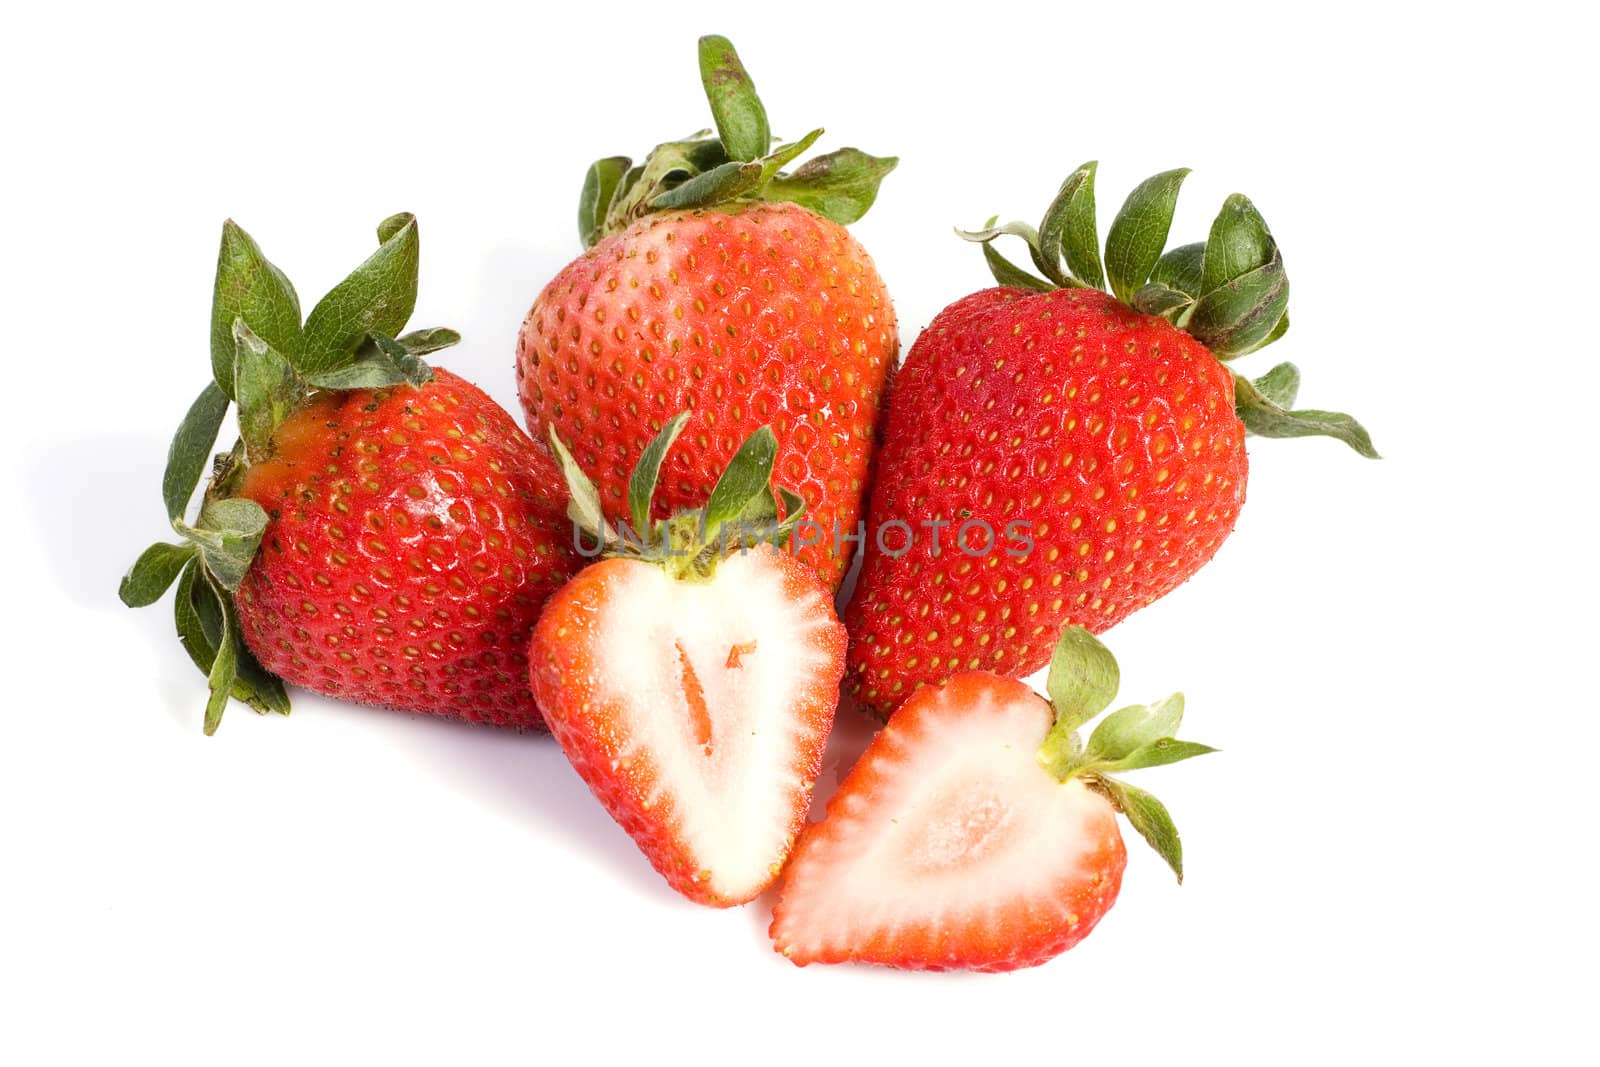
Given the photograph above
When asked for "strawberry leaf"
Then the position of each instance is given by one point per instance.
(600, 186)
(380, 362)
(642, 483)
(1182, 269)
(1083, 678)
(1266, 419)
(431, 339)
(1281, 384)
(1150, 817)
(1154, 298)
(267, 389)
(1069, 229)
(1129, 729)
(191, 449)
(1139, 232)
(228, 534)
(153, 573)
(1157, 753)
(583, 501)
(249, 287)
(840, 186)
(720, 184)
(225, 666)
(377, 296)
(1241, 314)
(740, 117)
(786, 154)
(1239, 243)
(744, 491)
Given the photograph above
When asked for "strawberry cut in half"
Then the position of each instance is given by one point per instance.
(691, 677)
(978, 831)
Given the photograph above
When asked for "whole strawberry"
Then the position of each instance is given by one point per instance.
(1057, 455)
(381, 532)
(714, 282)
(978, 831)
(691, 676)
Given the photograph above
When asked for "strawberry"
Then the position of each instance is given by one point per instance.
(978, 831)
(1055, 454)
(713, 282)
(382, 531)
(693, 688)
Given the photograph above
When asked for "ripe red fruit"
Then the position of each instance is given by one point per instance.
(976, 832)
(1064, 458)
(694, 691)
(381, 532)
(716, 284)
(414, 535)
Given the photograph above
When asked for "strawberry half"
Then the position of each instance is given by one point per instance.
(978, 831)
(692, 677)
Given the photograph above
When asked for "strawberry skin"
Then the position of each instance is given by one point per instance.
(749, 314)
(1111, 435)
(949, 846)
(696, 711)
(413, 535)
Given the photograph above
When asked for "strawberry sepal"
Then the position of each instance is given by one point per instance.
(1082, 682)
(1230, 292)
(735, 163)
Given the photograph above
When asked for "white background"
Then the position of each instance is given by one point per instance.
(1390, 859)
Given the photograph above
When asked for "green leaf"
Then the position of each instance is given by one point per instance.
(1150, 817)
(1139, 232)
(198, 613)
(1128, 729)
(432, 339)
(716, 186)
(794, 509)
(249, 287)
(394, 224)
(1182, 268)
(1280, 385)
(377, 296)
(583, 504)
(225, 667)
(1266, 419)
(381, 362)
(1157, 753)
(191, 448)
(1239, 243)
(1277, 333)
(840, 186)
(153, 573)
(228, 534)
(1083, 677)
(1156, 299)
(267, 388)
(1238, 316)
(786, 154)
(600, 185)
(642, 484)
(1069, 227)
(746, 481)
(741, 120)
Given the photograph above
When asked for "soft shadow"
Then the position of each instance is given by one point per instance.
(521, 772)
(90, 498)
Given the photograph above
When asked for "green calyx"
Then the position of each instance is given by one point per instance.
(268, 363)
(1230, 292)
(741, 512)
(738, 162)
(1082, 682)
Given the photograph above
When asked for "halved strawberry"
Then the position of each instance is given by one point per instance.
(977, 831)
(693, 686)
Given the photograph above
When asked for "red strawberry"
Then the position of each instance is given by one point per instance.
(693, 690)
(408, 531)
(977, 831)
(715, 283)
(1055, 456)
